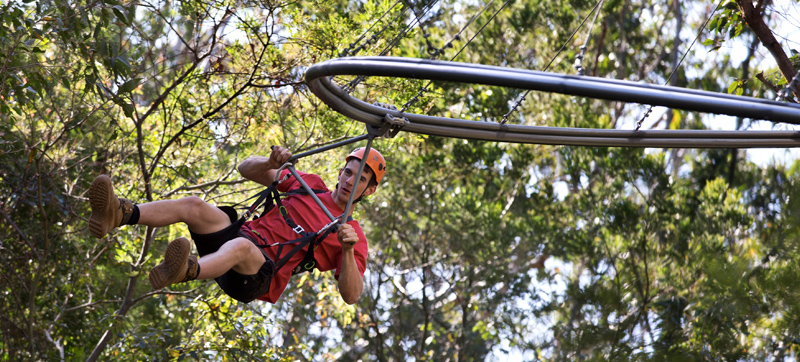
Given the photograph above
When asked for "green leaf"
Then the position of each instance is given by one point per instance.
(736, 30)
(124, 61)
(121, 64)
(722, 23)
(734, 87)
(713, 23)
(119, 12)
(130, 85)
(128, 109)
(102, 90)
(97, 29)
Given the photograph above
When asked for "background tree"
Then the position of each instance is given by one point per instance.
(478, 250)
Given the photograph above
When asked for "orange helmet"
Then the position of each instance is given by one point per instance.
(375, 162)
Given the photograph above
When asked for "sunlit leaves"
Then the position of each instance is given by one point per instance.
(477, 249)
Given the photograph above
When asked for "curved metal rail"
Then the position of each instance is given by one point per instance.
(318, 78)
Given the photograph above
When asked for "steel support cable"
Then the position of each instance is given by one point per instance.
(582, 53)
(347, 50)
(408, 27)
(396, 40)
(461, 31)
(481, 28)
(553, 59)
(449, 44)
(675, 68)
(418, 20)
(318, 77)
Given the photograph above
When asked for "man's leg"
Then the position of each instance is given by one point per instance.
(110, 211)
(177, 266)
(200, 216)
(239, 254)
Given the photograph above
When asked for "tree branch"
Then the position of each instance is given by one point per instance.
(127, 302)
(205, 116)
(754, 20)
(766, 82)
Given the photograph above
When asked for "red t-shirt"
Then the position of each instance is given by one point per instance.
(306, 213)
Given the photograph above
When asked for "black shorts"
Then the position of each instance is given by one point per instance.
(244, 288)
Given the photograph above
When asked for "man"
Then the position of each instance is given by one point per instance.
(235, 252)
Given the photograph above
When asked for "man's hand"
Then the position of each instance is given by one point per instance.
(262, 169)
(347, 237)
(350, 282)
(278, 157)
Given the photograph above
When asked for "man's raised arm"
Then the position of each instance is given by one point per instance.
(262, 169)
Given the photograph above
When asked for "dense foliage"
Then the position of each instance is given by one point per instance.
(478, 251)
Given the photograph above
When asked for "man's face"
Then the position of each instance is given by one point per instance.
(347, 178)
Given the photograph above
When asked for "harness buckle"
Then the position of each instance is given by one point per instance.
(332, 223)
(299, 229)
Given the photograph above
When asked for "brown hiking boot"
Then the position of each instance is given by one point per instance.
(178, 266)
(108, 210)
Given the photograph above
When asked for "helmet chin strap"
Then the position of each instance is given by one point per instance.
(361, 166)
(358, 199)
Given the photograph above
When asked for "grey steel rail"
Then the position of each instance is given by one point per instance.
(318, 78)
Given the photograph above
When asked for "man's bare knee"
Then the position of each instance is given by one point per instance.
(194, 206)
(249, 256)
(202, 217)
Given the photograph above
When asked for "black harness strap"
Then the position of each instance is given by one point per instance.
(310, 240)
(272, 198)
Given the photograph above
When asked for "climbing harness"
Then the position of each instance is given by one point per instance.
(318, 78)
(270, 198)
(305, 239)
